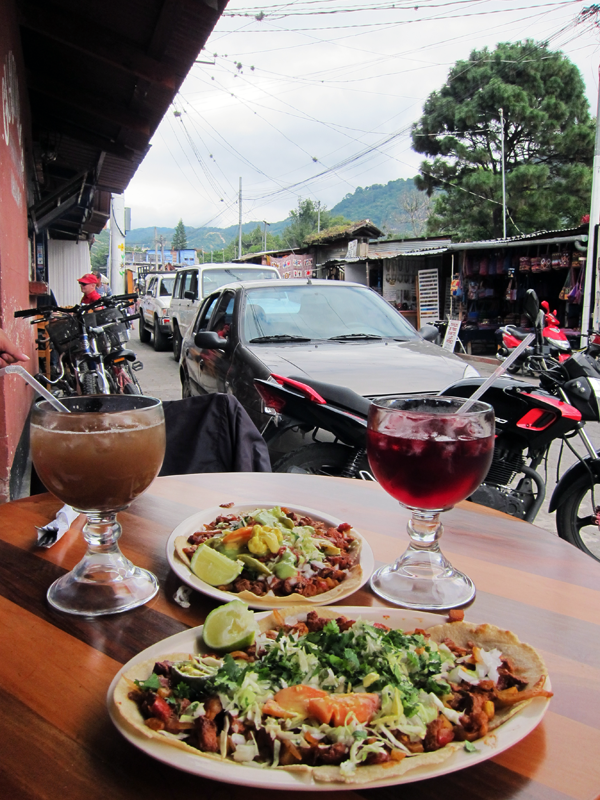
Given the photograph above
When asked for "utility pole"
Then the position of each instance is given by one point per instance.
(503, 177)
(591, 248)
(162, 251)
(117, 243)
(318, 216)
(240, 232)
(155, 249)
(265, 223)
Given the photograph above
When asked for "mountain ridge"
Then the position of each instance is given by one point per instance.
(381, 203)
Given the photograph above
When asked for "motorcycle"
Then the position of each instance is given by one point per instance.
(85, 347)
(551, 345)
(529, 418)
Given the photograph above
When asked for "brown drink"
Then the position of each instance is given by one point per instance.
(98, 461)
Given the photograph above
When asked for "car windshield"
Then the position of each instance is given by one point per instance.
(313, 311)
(213, 279)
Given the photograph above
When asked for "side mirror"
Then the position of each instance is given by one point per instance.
(531, 305)
(190, 295)
(210, 340)
(430, 333)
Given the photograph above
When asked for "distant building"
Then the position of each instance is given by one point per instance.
(179, 258)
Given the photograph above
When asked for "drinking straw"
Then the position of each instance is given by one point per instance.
(498, 372)
(19, 370)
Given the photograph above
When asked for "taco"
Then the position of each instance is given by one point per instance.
(283, 558)
(346, 700)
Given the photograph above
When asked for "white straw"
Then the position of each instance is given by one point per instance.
(498, 372)
(19, 370)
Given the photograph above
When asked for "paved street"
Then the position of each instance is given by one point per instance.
(160, 378)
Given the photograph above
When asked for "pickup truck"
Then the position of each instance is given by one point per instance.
(154, 309)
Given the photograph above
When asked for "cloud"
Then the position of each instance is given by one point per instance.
(325, 92)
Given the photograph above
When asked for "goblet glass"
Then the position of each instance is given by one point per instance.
(429, 456)
(98, 458)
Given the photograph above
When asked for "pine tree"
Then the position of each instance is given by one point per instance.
(548, 141)
(179, 240)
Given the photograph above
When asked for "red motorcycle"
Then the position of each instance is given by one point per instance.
(551, 345)
(529, 419)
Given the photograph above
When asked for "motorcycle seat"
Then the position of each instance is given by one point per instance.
(518, 333)
(339, 395)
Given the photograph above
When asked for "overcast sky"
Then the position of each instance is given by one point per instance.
(318, 96)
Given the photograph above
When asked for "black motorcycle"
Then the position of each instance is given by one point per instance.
(84, 347)
(529, 418)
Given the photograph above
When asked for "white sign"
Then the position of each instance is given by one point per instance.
(352, 249)
(451, 335)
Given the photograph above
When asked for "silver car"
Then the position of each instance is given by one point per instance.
(333, 331)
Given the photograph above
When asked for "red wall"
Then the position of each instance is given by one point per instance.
(15, 394)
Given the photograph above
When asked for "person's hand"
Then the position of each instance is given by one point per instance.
(9, 352)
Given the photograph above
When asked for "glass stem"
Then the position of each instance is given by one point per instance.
(425, 530)
(102, 532)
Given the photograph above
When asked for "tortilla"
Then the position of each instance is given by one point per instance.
(528, 663)
(351, 583)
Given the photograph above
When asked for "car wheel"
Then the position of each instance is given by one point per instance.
(176, 342)
(323, 458)
(161, 342)
(186, 386)
(144, 333)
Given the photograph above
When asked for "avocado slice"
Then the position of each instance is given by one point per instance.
(254, 564)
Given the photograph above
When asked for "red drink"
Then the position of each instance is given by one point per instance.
(429, 470)
(99, 462)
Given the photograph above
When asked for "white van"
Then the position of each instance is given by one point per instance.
(193, 284)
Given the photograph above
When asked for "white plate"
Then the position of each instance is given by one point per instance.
(196, 521)
(504, 737)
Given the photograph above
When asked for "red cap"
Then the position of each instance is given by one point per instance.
(89, 278)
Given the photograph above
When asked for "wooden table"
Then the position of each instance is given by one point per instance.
(58, 741)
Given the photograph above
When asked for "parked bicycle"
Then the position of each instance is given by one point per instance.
(85, 348)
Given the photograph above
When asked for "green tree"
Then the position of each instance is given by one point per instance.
(179, 240)
(548, 140)
(99, 250)
(305, 221)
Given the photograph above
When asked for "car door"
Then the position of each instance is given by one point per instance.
(147, 304)
(189, 303)
(214, 365)
(194, 355)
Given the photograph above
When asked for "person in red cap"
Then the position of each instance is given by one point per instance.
(88, 285)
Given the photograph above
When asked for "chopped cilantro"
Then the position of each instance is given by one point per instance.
(182, 689)
(470, 747)
(231, 669)
(360, 734)
(152, 683)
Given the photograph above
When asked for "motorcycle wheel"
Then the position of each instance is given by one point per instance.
(577, 518)
(320, 458)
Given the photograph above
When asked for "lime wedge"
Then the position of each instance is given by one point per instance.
(213, 567)
(229, 627)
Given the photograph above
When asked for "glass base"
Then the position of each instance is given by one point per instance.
(423, 579)
(94, 588)
(104, 581)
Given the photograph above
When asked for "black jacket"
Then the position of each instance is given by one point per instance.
(212, 433)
